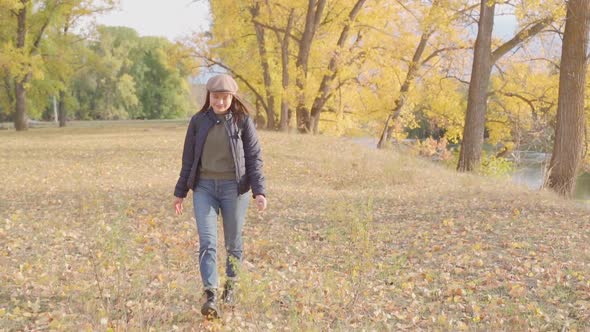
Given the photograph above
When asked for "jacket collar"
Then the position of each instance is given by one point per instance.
(213, 117)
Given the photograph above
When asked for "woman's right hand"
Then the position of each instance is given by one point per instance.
(178, 205)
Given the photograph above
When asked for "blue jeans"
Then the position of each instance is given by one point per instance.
(209, 197)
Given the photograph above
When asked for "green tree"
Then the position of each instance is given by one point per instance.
(114, 86)
(24, 33)
(161, 87)
(128, 76)
(70, 50)
(35, 41)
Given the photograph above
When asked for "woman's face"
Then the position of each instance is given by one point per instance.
(220, 101)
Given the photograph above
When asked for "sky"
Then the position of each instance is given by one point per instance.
(172, 19)
(175, 19)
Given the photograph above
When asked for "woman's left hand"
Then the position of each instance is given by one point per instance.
(260, 202)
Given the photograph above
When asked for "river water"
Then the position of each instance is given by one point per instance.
(529, 170)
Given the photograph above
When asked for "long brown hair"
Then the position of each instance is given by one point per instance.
(237, 107)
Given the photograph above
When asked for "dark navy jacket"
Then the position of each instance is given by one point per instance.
(245, 150)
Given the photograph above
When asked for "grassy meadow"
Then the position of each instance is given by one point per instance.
(353, 239)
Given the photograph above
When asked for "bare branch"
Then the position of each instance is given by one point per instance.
(520, 37)
(455, 78)
(521, 97)
(318, 14)
(212, 62)
(374, 28)
(407, 9)
(501, 71)
(465, 10)
(329, 18)
(552, 62)
(39, 36)
(439, 51)
(275, 29)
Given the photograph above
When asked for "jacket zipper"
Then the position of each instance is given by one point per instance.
(234, 149)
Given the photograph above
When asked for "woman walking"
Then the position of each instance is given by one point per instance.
(221, 162)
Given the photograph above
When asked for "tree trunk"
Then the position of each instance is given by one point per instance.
(286, 113)
(473, 131)
(62, 112)
(569, 135)
(20, 94)
(410, 75)
(386, 133)
(20, 116)
(405, 88)
(62, 109)
(314, 14)
(8, 87)
(270, 98)
(302, 113)
(326, 84)
(322, 97)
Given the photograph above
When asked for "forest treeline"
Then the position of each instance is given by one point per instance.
(98, 73)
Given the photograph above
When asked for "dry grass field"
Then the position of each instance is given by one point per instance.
(354, 239)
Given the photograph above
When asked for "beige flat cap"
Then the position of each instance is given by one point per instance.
(222, 83)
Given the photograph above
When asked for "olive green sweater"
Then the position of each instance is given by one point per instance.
(217, 161)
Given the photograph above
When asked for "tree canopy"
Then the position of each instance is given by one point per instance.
(109, 73)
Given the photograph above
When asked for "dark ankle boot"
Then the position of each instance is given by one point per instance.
(209, 308)
(228, 295)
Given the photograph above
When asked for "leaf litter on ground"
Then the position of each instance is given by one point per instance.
(354, 239)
